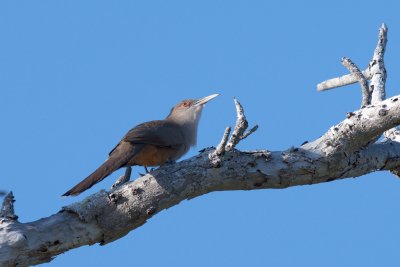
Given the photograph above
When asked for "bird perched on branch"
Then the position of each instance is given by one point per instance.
(152, 143)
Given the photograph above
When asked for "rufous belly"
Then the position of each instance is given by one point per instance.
(151, 155)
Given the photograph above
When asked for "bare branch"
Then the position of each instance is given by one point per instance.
(375, 94)
(377, 68)
(366, 96)
(7, 209)
(393, 135)
(221, 147)
(26, 244)
(216, 156)
(375, 72)
(240, 126)
(378, 82)
(237, 135)
(359, 128)
(342, 81)
(107, 216)
(249, 132)
(104, 217)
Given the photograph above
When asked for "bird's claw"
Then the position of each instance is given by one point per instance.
(123, 178)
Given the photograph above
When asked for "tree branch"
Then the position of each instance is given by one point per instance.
(216, 156)
(239, 133)
(240, 127)
(375, 72)
(107, 216)
(342, 81)
(104, 217)
(366, 96)
(358, 129)
(7, 209)
(377, 68)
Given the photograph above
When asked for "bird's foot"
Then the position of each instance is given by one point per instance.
(147, 171)
(123, 179)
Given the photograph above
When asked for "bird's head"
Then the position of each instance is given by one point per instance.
(189, 110)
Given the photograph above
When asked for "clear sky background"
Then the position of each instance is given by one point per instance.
(76, 75)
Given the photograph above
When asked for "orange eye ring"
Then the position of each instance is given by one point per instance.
(185, 104)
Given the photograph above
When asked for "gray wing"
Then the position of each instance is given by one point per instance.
(159, 133)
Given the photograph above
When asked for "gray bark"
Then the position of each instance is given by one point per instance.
(107, 216)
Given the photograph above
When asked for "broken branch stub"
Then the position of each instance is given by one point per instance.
(7, 209)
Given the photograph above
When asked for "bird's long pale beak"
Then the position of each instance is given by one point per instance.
(204, 100)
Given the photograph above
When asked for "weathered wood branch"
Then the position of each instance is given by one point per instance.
(374, 94)
(107, 216)
(352, 67)
(216, 156)
(342, 81)
(359, 128)
(377, 68)
(239, 133)
(373, 72)
(240, 127)
(7, 209)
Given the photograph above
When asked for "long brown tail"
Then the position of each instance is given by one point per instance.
(118, 158)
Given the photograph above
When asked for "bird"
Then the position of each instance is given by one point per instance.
(152, 143)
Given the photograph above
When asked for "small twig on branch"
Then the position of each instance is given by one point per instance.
(221, 147)
(375, 72)
(237, 135)
(352, 67)
(249, 132)
(7, 209)
(374, 95)
(215, 157)
(2, 193)
(240, 126)
(378, 81)
(341, 81)
(377, 68)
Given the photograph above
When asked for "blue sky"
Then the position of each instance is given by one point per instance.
(76, 75)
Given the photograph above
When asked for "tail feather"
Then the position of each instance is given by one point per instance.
(103, 171)
(117, 159)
